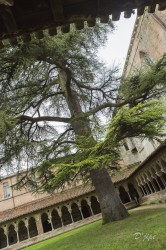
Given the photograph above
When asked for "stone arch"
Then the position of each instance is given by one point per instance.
(12, 235)
(154, 177)
(150, 181)
(163, 163)
(123, 195)
(151, 186)
(160, 182)
(146, 184)
(164, 176)
(32, 227)
(157, 167)
(156, 184)
(56, 220)
(85, 209)
(45, 223)
(22, 231)
(133, 192)
(144, 189)
(147, 188)
(3, 239)
(66, 217)
(76, 214)
(153, 171)
(95, 205)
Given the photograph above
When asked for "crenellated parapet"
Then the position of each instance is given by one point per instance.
(20, 19)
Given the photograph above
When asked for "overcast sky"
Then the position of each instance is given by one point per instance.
(117, 46)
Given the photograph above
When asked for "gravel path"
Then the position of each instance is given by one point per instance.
(152, 206)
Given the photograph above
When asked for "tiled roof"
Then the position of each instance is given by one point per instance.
(57, 198)
(44, 203)
(123, 175)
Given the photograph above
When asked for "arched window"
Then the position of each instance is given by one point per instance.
(66, 217)
(133, 192)
(123, 195)
(95, 205)
(85, 209)
(56, 220)
(22, 231)
(12, 235)
(32, 227)
(76, 212)
(3, 239)
(46, 223)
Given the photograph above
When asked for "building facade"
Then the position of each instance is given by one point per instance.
(26, 217)
(147, 46)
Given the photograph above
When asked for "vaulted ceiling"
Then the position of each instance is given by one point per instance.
(20, 18)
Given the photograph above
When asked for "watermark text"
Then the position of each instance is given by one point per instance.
(144, 236)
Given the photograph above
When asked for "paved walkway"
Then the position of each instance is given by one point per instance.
(152, 206)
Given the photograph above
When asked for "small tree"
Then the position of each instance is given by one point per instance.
(62, 80)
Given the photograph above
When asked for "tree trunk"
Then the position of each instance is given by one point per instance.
(112, 208)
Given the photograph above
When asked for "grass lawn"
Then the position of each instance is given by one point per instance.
(150, 226)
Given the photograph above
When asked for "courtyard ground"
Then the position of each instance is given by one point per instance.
(145, 228)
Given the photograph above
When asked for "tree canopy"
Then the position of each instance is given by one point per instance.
(61, 80)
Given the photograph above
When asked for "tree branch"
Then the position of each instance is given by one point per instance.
(44, 118)
(106, 105)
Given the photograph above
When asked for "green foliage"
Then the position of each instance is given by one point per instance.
(145, 120)
(60, 79)
(146, 84)
(7, 123)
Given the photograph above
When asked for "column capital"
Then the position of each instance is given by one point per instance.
(125, 186)
(159, 173)
(5, 230)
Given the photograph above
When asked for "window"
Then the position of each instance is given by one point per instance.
(144, 56)
(126, 146)
(6, 190)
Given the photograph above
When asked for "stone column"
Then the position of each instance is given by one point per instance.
(162, 166)
(70, 211)
(50, 220)
(60, 215)
(140, 186)
(27, 226)
(151, 181)
(144, 188)
(39, 224)
(149, 186)
(6, 233)
(79, 207)
(144, 184)
(158, 183)
(89, 203)
(142, 191)
(97, 198)
(16, 228)
(162, 179)
(152, 176)
(137, 187)
(127, 191)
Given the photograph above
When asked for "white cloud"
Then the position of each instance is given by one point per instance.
(116, 48)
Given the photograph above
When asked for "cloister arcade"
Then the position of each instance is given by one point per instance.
(146, 182)
(48, 220)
